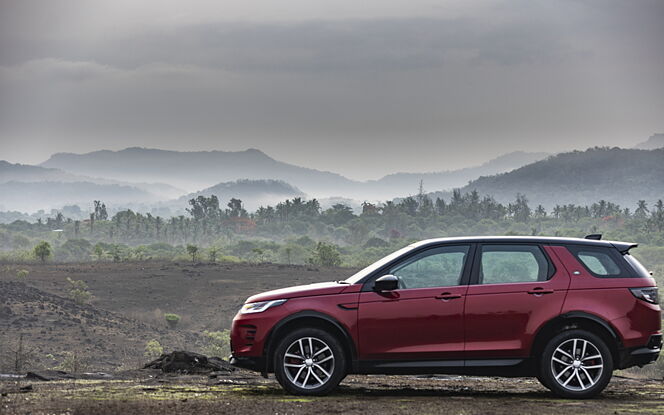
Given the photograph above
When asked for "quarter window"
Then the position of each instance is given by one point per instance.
(437, 267)
(501, 264)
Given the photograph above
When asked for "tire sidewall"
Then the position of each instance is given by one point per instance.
(338, 373)
(548, 378)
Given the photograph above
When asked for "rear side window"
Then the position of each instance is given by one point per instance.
(501, 264)
(601, 262)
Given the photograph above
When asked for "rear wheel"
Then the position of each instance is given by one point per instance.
(576, 364)
(309, 361)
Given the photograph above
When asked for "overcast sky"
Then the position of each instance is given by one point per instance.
(363, 88)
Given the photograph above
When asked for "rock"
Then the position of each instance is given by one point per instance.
(189, 362)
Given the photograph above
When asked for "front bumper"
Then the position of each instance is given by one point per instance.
(256, 364)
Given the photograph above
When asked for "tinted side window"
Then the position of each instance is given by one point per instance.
(500, 264)
(436, 267)
(600, 262)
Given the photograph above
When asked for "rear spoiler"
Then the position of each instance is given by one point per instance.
(624, 247)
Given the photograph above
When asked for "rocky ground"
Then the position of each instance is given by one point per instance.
(147, 392)
(126, 310)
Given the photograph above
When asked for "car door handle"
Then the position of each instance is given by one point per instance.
(540, 291)
(446, 296)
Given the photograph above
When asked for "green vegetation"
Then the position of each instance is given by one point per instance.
(21, 274)
(192, 250)
(217, 343)
(78, 291)
(42, 250)
(153, 349)
(172, 319)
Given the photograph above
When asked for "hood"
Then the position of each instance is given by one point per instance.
(321, 288)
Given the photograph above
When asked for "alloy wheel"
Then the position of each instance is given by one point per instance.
(308, 363)
(577, 364)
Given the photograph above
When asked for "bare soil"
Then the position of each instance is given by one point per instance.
(127, 310)
(243, 393)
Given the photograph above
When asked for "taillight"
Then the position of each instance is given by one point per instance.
(648, 294)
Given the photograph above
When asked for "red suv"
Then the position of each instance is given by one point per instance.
(568, 311)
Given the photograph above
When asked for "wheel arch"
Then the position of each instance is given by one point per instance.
(309, 318)
(578, 320)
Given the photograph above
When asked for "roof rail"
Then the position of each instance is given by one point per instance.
(595, 236)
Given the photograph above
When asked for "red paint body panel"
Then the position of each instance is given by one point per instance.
(502, 319)
(412, 324)
(263, 322)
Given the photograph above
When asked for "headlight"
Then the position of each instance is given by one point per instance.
(648, 294)
(260, 307)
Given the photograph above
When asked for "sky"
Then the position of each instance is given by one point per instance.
(359, 88)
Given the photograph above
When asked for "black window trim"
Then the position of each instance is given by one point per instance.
(367, 284)
(474, 278)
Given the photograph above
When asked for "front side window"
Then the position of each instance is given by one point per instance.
(501, 264)
(436, 267)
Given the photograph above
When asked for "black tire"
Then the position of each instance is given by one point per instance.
(304, 376)
(576, 364)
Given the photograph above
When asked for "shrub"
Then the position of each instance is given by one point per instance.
(153, 349)
(218, 343)
(172, 319)
(22, 273)
(192, 250)
(326, 255)
(78, 291)
(73, 363)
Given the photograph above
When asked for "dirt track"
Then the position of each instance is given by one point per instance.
(244, 393)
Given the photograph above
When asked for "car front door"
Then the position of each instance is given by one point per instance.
(423, 318)
(514, 289)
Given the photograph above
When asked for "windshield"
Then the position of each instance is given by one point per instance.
(355, 278)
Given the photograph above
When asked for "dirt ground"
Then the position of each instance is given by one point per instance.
(127, 310)
(243, 393)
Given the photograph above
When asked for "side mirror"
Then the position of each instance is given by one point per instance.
(386, 283)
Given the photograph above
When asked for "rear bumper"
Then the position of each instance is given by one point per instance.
(641, 356)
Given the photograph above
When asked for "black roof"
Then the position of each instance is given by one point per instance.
(551, 240)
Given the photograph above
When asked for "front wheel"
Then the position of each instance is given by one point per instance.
(309, 361)
(576, 364)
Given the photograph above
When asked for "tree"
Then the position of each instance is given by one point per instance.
(193, 251)
(43, 251)
(213, 252)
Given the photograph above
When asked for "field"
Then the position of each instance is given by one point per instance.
(109, 334)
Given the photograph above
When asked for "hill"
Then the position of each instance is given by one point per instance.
(253, 193)
(618, 175)
(196, 169)
(33, 196)
(655, 141)
(409, 182)
(201, 169)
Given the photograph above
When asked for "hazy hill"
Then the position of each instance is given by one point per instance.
(583, 177)
(10, 172)
(655, 141)
(32, 196)
(253, 193)
(409, 182)
(194, 170)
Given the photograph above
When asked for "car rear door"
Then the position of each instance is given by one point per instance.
(514, 289)
(423, 319)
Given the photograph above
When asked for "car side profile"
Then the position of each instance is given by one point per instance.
(568, 311)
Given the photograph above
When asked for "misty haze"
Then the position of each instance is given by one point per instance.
(162, 162)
